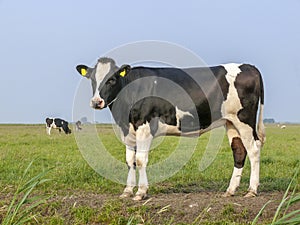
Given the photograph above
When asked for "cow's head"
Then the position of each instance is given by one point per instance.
(103, 68)
(112, 85)
(106, 81)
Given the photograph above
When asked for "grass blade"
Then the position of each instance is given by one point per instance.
(260, 212)
(289, 219)
(284, 198)
(19, 211)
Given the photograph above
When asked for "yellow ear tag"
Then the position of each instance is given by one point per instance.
(123, 73)
(83, 72)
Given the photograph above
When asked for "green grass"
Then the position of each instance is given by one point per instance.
(21, 205)
(283, 215)
(20, 144)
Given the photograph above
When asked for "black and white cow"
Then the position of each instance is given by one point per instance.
(57, 123)
(230, 99)
(78, 125)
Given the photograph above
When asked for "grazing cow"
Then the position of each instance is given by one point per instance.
(57, 123)
(283, 126)
(230, 99)
(78, 125)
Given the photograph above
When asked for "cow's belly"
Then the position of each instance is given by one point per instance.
(169, 130)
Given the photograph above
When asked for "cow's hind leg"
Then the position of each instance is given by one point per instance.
(253, 146)
(239, 156)
(131, 178)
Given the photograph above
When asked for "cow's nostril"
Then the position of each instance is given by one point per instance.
(97, 104)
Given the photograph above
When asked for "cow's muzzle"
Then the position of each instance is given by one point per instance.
(97, 103)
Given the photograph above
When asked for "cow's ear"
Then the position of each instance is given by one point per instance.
(124, 70)
(82, 70)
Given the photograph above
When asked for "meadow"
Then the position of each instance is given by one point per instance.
(76, 194)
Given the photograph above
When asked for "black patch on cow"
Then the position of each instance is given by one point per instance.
(152, 110)
(187, 123)
(239, 152)
(248, 85)
(63, 124)
(220, 74)
(134, 165)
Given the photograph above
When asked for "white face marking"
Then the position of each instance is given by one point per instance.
(232, 105)
(101, 71)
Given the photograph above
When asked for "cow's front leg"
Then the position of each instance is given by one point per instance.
(143, 141)
(48, 130)
(141, 162)
(131, 178)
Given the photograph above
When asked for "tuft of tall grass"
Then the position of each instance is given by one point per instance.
(22, 204)
(282, 216)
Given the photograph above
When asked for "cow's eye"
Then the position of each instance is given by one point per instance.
(111, 81)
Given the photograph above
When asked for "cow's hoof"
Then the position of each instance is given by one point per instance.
(126, 194)
(250, 194)
(139, 197)
(227, 194)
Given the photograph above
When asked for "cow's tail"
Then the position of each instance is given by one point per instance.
(260, 125)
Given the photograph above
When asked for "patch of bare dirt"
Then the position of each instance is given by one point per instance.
(183, 208)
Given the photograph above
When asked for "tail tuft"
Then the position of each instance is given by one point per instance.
(261, 127)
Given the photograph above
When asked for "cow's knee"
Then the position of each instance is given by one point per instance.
(141, 159)
(239, 152)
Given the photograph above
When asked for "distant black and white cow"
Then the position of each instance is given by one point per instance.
(230, 99)
(57, 123)
(78, 125)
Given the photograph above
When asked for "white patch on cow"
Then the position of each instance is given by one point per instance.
(129, 139)
(165, 129)
(232, 69)
(143, 137)
(101, 71)
(180, 114)
(232, 105)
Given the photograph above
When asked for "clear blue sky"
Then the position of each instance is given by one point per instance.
(41, 42)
